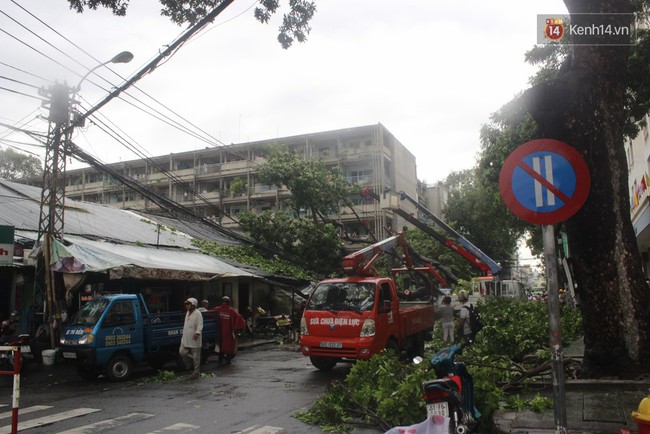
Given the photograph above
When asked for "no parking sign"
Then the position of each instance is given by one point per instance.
(544, 181)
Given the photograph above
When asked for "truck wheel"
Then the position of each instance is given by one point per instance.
(392, 345)
(323, 363)
(87, 373)
(417, 346)
(119, 368)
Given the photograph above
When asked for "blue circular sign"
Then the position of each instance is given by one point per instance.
(544, 181)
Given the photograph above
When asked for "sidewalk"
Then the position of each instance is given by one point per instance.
(592, 406)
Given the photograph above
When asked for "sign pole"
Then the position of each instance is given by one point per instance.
(545, 182)
(557, 364)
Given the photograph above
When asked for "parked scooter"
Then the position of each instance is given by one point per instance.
(26, 355)
(8, 338)
(451, 394)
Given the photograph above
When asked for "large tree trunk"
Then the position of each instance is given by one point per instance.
(584, 108)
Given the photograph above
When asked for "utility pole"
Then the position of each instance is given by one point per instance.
(50, 225)
(58, 139)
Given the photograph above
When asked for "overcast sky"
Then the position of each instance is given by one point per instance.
(431, 72)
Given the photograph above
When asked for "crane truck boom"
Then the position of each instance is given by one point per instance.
(454, 241)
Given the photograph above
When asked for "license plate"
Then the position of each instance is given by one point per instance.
(438, 408)
(25, 349)
(68, 355)
(331, 344)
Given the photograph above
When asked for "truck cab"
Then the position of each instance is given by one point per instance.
(356, 317)
(104, 332)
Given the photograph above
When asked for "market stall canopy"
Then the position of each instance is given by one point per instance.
(122, 261)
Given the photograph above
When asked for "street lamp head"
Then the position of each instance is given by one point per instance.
(123, 57)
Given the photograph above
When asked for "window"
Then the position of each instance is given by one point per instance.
(121, 313)
(359, 176)
(385, 295)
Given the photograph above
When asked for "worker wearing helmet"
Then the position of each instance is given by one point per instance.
(464, 328)
(191, 342)
(229, 322)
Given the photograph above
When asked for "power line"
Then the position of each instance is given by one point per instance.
(197, 132)
(19, 93)
(25, 72)
(18, 81)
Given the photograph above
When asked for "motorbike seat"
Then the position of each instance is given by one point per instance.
(447, 384)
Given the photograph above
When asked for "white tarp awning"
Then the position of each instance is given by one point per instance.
(126, 261)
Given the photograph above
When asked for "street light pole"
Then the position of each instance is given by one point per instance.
(53, 189)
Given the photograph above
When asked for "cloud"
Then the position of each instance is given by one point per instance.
(431, 72)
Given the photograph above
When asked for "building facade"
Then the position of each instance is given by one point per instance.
(218, 183)
(638, 157)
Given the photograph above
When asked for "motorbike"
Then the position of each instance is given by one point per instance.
(24, 342)
(451, 393)
(9, 338)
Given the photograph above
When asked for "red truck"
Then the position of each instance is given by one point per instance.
(357, 316)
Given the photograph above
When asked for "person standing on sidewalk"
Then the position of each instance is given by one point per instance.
(464, 327)
(191, 341)
(205, 306)
(229, 322)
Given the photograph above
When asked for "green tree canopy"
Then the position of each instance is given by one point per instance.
(294, 27)
(16, 165)
(300, 227)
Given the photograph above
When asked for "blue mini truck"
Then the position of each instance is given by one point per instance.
(112, 333)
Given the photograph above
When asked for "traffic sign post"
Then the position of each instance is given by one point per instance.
(544, 182)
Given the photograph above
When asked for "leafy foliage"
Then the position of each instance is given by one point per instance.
(318, 245)
(250, 256)
(425, 245)
(503, 333)
(16, 165)
(302, 229)
(315, 188)
(385, 392)
(295, 23)
(379, 391)
(477, 211)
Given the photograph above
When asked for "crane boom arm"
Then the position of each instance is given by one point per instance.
(454, 241)
(360, 262)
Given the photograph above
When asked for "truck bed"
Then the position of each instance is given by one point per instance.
(163, 330)
(416, 317)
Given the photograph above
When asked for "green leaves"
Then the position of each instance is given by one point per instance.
(384, 392)
(16, 165)
(295, 23)
(250, 256)
(380, 392)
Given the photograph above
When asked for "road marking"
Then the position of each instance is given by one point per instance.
(49, 419)
(108, 424)
(256, 429)
(178, 427)
(26, 410)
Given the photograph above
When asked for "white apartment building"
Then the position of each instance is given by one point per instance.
(220, 182)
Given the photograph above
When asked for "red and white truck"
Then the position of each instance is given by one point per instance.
(357, 316)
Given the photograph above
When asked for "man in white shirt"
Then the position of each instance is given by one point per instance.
(191, 341)
(464, 327)
(205, 306)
